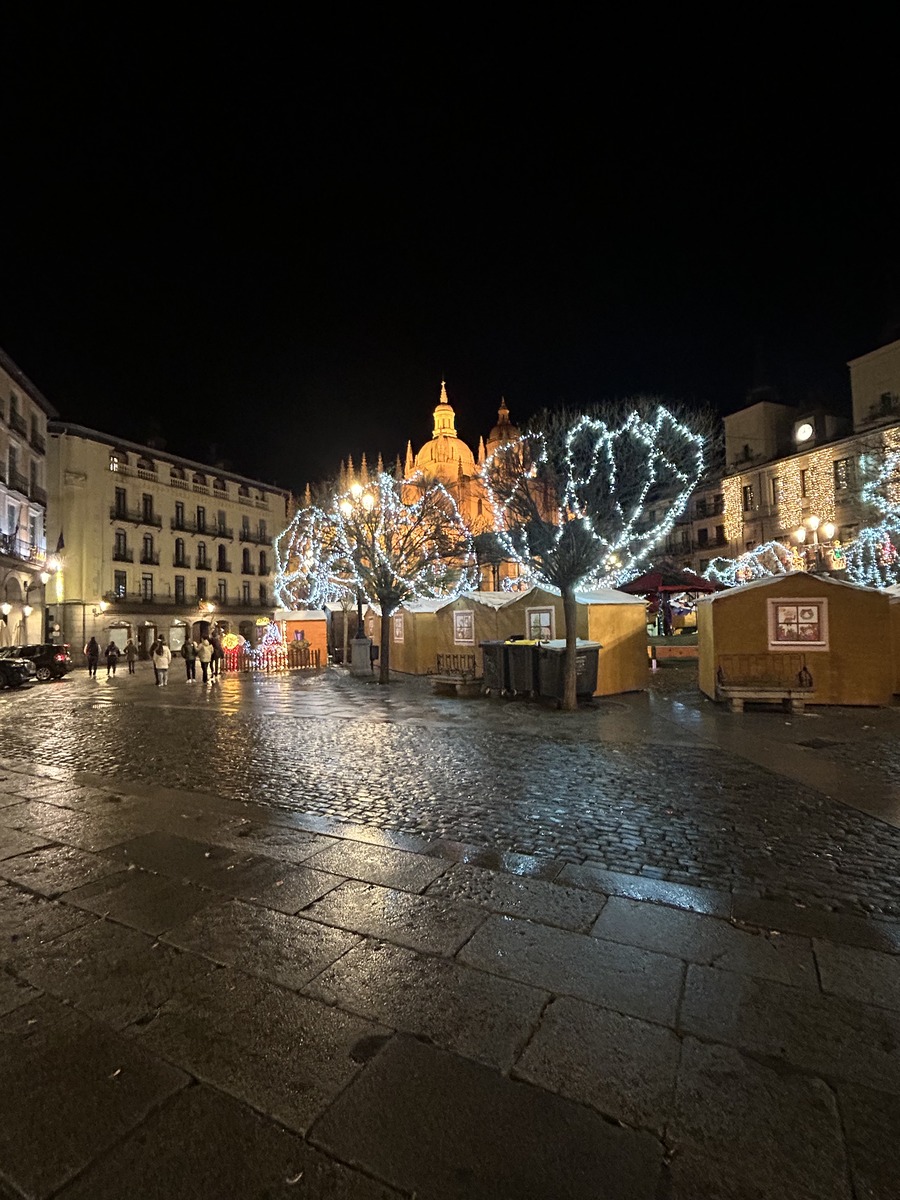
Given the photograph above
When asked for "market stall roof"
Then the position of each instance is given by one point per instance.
(664, 580)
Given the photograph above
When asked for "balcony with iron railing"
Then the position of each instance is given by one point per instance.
(37, 442)
(186, 604)
(17, 482)
(18, 423)
(149, 558)
(203, 564)
(120, 554)
(183, 563)
(223, 566)
(248, 569)
(265, 570)
(13, 547)
(38, 494)
(134, 516)
(258, 539)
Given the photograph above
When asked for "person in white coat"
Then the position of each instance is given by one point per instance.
(204, 657)
(162, 657)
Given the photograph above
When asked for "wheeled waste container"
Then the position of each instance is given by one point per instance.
(496, 678)
(551, 668)
(522, 666)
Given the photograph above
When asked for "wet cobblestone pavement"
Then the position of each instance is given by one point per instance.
(309, 938)
(616, 786)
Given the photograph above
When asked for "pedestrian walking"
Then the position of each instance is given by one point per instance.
(112, 658)
(92, 654)
(204, 654)
(217, 655)
(189, 654)
(130, 655)
(162, 657)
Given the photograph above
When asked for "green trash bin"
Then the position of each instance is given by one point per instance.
(522, 660)
(551, 668)
(496, 676)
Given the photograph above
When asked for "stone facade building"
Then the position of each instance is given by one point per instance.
(155, 543)
(25, 569)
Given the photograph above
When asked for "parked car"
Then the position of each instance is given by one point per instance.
(50, 662)
(16, 671)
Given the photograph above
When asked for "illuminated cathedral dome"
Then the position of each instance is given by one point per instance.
(503, 431)
(446, 456)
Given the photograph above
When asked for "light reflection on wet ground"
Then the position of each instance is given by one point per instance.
(618, 784)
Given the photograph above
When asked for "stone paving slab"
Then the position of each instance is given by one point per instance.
(203, 1145)
(859, 974)
(284, 1054)
(383, 865)
(27, 920)
(678, 895)
(286, 950)
(15, 841)
(517, 896)
(479, 1016)
(419, 922)
(55, 869)
(114, 974)
(14, 992)
(487, 1137)
(871, 1121)
(78, 1088)
(741, 1131)
(813, 922)
(86, 830)
(293, 889)
(622, 1067)
(150, 903)
(637, 982)
(527, 865)
(708, 940)
(838, 1039)
(285, 845)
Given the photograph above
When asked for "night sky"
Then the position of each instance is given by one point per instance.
(271, 252)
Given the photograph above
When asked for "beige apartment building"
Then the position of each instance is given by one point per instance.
(155, 543)
(790, 469)
(25, 569)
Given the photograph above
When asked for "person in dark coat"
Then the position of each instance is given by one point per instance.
(112, 658)
(92, 654)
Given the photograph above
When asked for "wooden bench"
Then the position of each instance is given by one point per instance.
(456, 675)
(764, 679)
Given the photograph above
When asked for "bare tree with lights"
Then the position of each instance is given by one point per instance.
(570, 496)
(405, 540)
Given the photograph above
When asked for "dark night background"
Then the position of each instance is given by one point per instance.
(280, 252)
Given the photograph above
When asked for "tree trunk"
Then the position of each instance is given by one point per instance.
(570, 671)
(384, 666)
(346, 615)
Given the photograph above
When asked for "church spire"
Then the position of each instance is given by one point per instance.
(481, 453)
(444, 416)
(410, 462)
(363, 470)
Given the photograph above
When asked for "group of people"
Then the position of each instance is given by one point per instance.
(112, 654)
(207, 651)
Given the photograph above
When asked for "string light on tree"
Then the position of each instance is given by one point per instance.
(595, 507)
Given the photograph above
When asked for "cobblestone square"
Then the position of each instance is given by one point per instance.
(434, 947)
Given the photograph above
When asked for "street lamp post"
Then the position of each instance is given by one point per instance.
(819, 535)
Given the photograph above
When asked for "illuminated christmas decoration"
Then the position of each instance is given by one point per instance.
(872, 557)
(734, 515)
(586, 509)
(790, 503)
(820, 484)
(405, 538)
(231, 641)
(310, 570)
(771, 558)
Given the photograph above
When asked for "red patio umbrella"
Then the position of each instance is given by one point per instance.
(665, 579)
